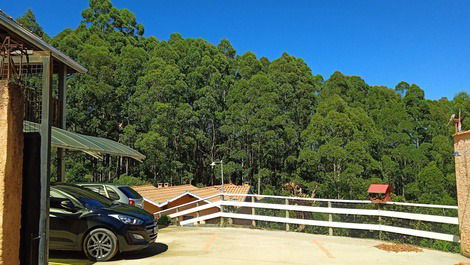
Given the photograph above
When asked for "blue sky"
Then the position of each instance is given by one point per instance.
(426, 42)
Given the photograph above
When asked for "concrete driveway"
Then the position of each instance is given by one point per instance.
(224, 246)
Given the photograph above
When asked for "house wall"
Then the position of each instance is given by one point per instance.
(243, 210)
(462, 174)
(186, 199)
(151, 208)
(11, 164)
(189, 198)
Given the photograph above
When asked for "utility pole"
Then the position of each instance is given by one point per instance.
(221, 162)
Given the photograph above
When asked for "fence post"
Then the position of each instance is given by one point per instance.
(197, 214)
(253, 222)
(222, 210)
(379, 207)
(177, 218)
(330, 219)
(287, 215)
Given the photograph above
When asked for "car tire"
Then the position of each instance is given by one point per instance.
(100, 244)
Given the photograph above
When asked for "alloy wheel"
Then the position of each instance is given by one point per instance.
(100, 245)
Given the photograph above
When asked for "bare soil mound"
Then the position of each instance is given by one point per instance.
(399, 248)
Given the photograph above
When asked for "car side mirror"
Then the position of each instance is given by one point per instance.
(68, 205)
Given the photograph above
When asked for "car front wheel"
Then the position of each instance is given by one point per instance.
(100, 244)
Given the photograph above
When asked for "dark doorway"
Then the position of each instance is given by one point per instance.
(30, 204)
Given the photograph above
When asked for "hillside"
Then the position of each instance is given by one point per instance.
(186, 102)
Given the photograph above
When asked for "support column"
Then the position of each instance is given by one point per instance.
(197, 214)
(462, 174)
(62, 117)
(11, 175)
(45, 169)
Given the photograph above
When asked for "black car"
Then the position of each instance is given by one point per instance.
(83, 220)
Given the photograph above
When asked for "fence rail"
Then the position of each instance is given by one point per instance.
(226, 201)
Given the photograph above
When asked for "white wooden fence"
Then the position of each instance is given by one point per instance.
(222, 203)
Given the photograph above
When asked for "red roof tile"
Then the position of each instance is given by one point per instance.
(164, 194)
(378, 188)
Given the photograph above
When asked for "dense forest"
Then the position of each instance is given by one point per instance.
(186, 102)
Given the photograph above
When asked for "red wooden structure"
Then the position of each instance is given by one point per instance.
(380, 192)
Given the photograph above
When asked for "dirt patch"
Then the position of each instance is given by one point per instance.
(399, 248)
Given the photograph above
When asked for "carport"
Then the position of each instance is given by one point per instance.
(94, 146)
(33, 77)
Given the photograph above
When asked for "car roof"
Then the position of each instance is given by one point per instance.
(106, 184)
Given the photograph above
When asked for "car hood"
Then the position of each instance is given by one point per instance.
(130, 211)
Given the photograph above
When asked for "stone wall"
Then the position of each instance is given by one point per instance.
(11, 163)
(462, 172)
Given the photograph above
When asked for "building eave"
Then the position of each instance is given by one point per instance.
(11, 25)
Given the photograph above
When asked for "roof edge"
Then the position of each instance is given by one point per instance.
(15, 27)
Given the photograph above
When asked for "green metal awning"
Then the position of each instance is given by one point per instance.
(95, 146)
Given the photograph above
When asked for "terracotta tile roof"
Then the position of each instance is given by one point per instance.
(207, 192)
(236, 189)
(164, 194)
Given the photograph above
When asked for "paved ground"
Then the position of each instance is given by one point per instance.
(226, 246)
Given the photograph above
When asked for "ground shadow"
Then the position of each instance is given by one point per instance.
(68, 257)
(78, 258)
(153, 249)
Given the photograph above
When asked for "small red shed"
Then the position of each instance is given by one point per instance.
(380, 192)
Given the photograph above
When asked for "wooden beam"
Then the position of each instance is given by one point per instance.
(45, 131)
(62, 118)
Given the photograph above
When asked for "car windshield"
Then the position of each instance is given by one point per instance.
(86, 197)
(130, 193)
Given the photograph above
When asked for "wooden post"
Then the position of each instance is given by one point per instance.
(197, 214)
(379, 207)
(45, 131)
(62, 101)
(287, 215)
(330, 219)
(222, 210)
(11, 172)
(177, 218)
(253, 222)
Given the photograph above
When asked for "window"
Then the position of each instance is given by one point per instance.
(187, 217)
(130, 193)
(57, 197)
(97, 188)
(112, 194)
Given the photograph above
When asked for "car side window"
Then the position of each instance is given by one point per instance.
(112, 194)
(56, 198)
(98, 189)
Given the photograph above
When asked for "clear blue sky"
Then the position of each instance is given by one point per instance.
(426, 42)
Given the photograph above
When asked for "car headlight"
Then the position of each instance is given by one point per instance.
(127, 219)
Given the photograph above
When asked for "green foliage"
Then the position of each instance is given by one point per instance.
(28, 20)
(129, 181)
(164, 220)
(185, 103)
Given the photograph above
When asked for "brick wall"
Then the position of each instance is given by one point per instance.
(11, 163)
